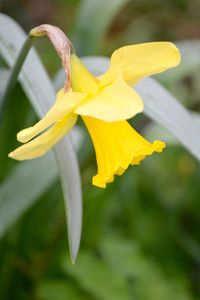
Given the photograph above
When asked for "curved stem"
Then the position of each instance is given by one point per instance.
(14, 73)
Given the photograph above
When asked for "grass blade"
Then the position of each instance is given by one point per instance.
(24, 184)
(40, 92)
(87, 39)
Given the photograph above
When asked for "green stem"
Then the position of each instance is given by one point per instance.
(14, 74)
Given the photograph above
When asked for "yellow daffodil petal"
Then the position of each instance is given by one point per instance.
(138, 61)
(41, 144)
(117, 145)
(82, 80)
(65, 103)
(115, 102)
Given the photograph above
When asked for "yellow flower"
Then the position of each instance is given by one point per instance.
(104, 103)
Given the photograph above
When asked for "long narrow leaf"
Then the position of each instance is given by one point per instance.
(92, 21)
(40, 91)
(190, 54)
(4, 74)
(25, 183)
(164, 108)
(22, 188)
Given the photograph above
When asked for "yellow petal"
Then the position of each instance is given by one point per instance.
(65, 103)
(82, 80)
(117, 145)
(138, 61)
(41, 144)
(115, 102)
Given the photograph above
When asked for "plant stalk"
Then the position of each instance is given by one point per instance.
(14, 74)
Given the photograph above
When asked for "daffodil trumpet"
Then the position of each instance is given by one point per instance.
(105, 104)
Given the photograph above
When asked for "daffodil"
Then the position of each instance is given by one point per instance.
(105, 104)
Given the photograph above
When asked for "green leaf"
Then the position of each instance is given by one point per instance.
(41, 94)
(94, 17)
(164, 108)
(4, 74)
(97, 278)
(190, 61)
(23, 186)
(59, 290)
(155, 131)
(148, 280)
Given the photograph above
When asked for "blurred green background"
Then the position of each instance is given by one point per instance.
(141, 236)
